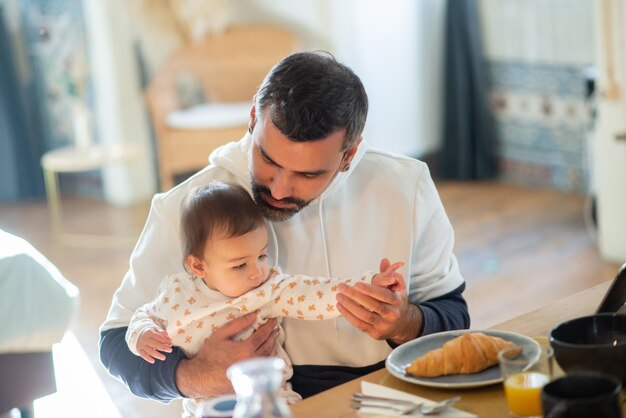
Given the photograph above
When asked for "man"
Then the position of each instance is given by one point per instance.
(334, 205)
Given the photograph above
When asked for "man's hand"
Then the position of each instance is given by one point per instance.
(204, 375)
(380, 312)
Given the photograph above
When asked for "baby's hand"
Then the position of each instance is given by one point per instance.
(389, 277)
(152, 342)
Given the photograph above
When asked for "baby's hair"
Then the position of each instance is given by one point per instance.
(218, 208)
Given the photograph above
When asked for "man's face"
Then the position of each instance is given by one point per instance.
(286, 175)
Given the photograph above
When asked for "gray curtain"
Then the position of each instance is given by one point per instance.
(469, 140)
(21, 176)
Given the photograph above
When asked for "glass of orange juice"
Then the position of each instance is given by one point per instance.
(524, 375)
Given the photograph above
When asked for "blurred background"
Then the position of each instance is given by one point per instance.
(518, 107)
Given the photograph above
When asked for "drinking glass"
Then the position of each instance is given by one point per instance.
(257, 382)
(524, 376)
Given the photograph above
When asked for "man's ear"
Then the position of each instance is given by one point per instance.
(252, 121)
(195, 265)
(349, 154)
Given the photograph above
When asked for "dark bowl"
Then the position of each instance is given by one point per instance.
(592, 343)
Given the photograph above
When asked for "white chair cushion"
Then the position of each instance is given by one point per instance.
(210, 116)
(37, 303)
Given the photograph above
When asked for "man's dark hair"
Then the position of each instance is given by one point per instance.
(310, 95)
(217, 208)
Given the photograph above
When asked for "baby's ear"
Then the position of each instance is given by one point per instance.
(195, 265)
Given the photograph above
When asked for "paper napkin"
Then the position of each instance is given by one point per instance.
(378, 390)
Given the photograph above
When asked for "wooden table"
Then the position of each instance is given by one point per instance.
(487, 401)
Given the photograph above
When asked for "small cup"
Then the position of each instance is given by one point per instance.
(581, 395)
(524, 376)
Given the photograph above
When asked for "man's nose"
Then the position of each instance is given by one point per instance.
(281, 185)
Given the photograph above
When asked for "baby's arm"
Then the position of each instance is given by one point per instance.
(146, 336)
(314, 298)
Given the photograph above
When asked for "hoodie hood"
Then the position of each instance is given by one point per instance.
(235, 158)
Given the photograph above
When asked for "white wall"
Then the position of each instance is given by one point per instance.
(538, 31)
(610, 153)
(396, 51)
(119, 110)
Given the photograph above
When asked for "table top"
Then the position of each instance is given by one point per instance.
(486, 401)
(73, 159)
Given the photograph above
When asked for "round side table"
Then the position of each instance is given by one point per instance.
(78, 159)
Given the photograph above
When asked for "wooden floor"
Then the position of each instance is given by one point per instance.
(518, 249)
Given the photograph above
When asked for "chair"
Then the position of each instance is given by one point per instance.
(228, 68)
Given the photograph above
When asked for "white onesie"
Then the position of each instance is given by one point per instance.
(190, 311)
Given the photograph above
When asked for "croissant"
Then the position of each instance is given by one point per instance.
(468, 353)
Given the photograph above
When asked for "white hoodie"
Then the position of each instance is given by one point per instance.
(386, 205)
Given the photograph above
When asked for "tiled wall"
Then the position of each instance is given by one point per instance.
(541, 121)
(537, 55)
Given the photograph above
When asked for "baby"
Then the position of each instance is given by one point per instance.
(227, 274)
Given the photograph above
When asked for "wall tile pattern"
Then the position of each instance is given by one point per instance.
(542, 120)
(536, 52)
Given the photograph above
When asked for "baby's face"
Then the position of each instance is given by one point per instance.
(236, 265)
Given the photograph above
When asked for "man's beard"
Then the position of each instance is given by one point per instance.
(270, 212)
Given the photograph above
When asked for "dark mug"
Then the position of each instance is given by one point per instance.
(582, 395)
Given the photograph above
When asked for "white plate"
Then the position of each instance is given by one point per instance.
(403, 355)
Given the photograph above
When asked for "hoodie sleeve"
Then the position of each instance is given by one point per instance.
(436, 284)
(445, 313)
(157, 254)
(153, 381)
